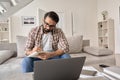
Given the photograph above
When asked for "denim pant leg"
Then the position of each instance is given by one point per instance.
(28, 64)
(61, 56)
(66, 55)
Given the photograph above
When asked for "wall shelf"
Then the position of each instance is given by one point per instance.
(4, 31)
(106, 34)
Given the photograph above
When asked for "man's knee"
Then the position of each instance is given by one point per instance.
(27, 60)
(66, 55)
(27, 64)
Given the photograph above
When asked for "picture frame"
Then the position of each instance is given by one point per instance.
(28, 20)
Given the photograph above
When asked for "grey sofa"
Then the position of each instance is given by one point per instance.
(11, 68)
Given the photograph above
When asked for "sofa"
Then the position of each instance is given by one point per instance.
(10, 66)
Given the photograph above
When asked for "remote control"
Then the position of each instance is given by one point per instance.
(103, 65)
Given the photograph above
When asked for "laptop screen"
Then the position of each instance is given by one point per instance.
(58, 69)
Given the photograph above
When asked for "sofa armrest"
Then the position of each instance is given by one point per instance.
(9, 46)
(97, 51)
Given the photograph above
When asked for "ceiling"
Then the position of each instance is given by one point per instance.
(9, 7)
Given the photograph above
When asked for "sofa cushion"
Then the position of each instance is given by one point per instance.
(5, 55)
(91, 59)
(75, 43)
(21, 41)
(97, 51)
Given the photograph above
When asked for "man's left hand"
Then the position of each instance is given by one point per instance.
(45, 56)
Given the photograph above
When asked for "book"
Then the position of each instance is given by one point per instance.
(109, 76)
(89, 72)
(113, 71)
(35, 54)
(85, 75)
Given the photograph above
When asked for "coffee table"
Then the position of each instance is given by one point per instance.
(98, 68)
(29, 76)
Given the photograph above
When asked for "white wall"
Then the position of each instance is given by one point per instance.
(112, 6)
(84, 11)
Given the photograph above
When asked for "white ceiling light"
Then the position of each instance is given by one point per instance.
(14, 2)
(2, 10)
(7, 5)
(11, 7)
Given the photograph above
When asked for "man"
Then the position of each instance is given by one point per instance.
(47, 38)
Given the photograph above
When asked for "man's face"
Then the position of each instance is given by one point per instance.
(49, 24)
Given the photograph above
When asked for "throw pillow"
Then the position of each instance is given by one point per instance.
(75, 43)
(5, 55)
(97, 51)
(21, 41)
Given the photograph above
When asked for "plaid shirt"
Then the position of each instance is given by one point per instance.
(35, 39)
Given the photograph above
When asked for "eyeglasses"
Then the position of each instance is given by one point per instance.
(51, 26)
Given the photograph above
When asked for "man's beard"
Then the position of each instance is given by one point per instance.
(46, 30)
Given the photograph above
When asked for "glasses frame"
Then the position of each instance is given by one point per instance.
(51, 26)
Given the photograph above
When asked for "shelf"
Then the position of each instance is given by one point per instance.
(103, 36)
(106, 34)
(104, 29)
(4, 31)
(4, 40)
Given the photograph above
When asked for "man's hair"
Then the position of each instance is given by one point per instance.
(52, 15)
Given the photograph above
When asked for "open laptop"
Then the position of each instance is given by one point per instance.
(58, 69)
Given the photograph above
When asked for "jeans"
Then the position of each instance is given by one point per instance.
(28, 62)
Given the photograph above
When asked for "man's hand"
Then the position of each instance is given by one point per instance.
(38, 49)
(44, 56)
(33, 50)
(47, 55)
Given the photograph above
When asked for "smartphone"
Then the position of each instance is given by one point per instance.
(103, 65)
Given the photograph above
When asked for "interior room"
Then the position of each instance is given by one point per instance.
(91, 27)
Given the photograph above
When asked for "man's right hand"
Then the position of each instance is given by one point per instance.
(36, 49)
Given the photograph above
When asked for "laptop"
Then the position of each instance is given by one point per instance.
(58, 69)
